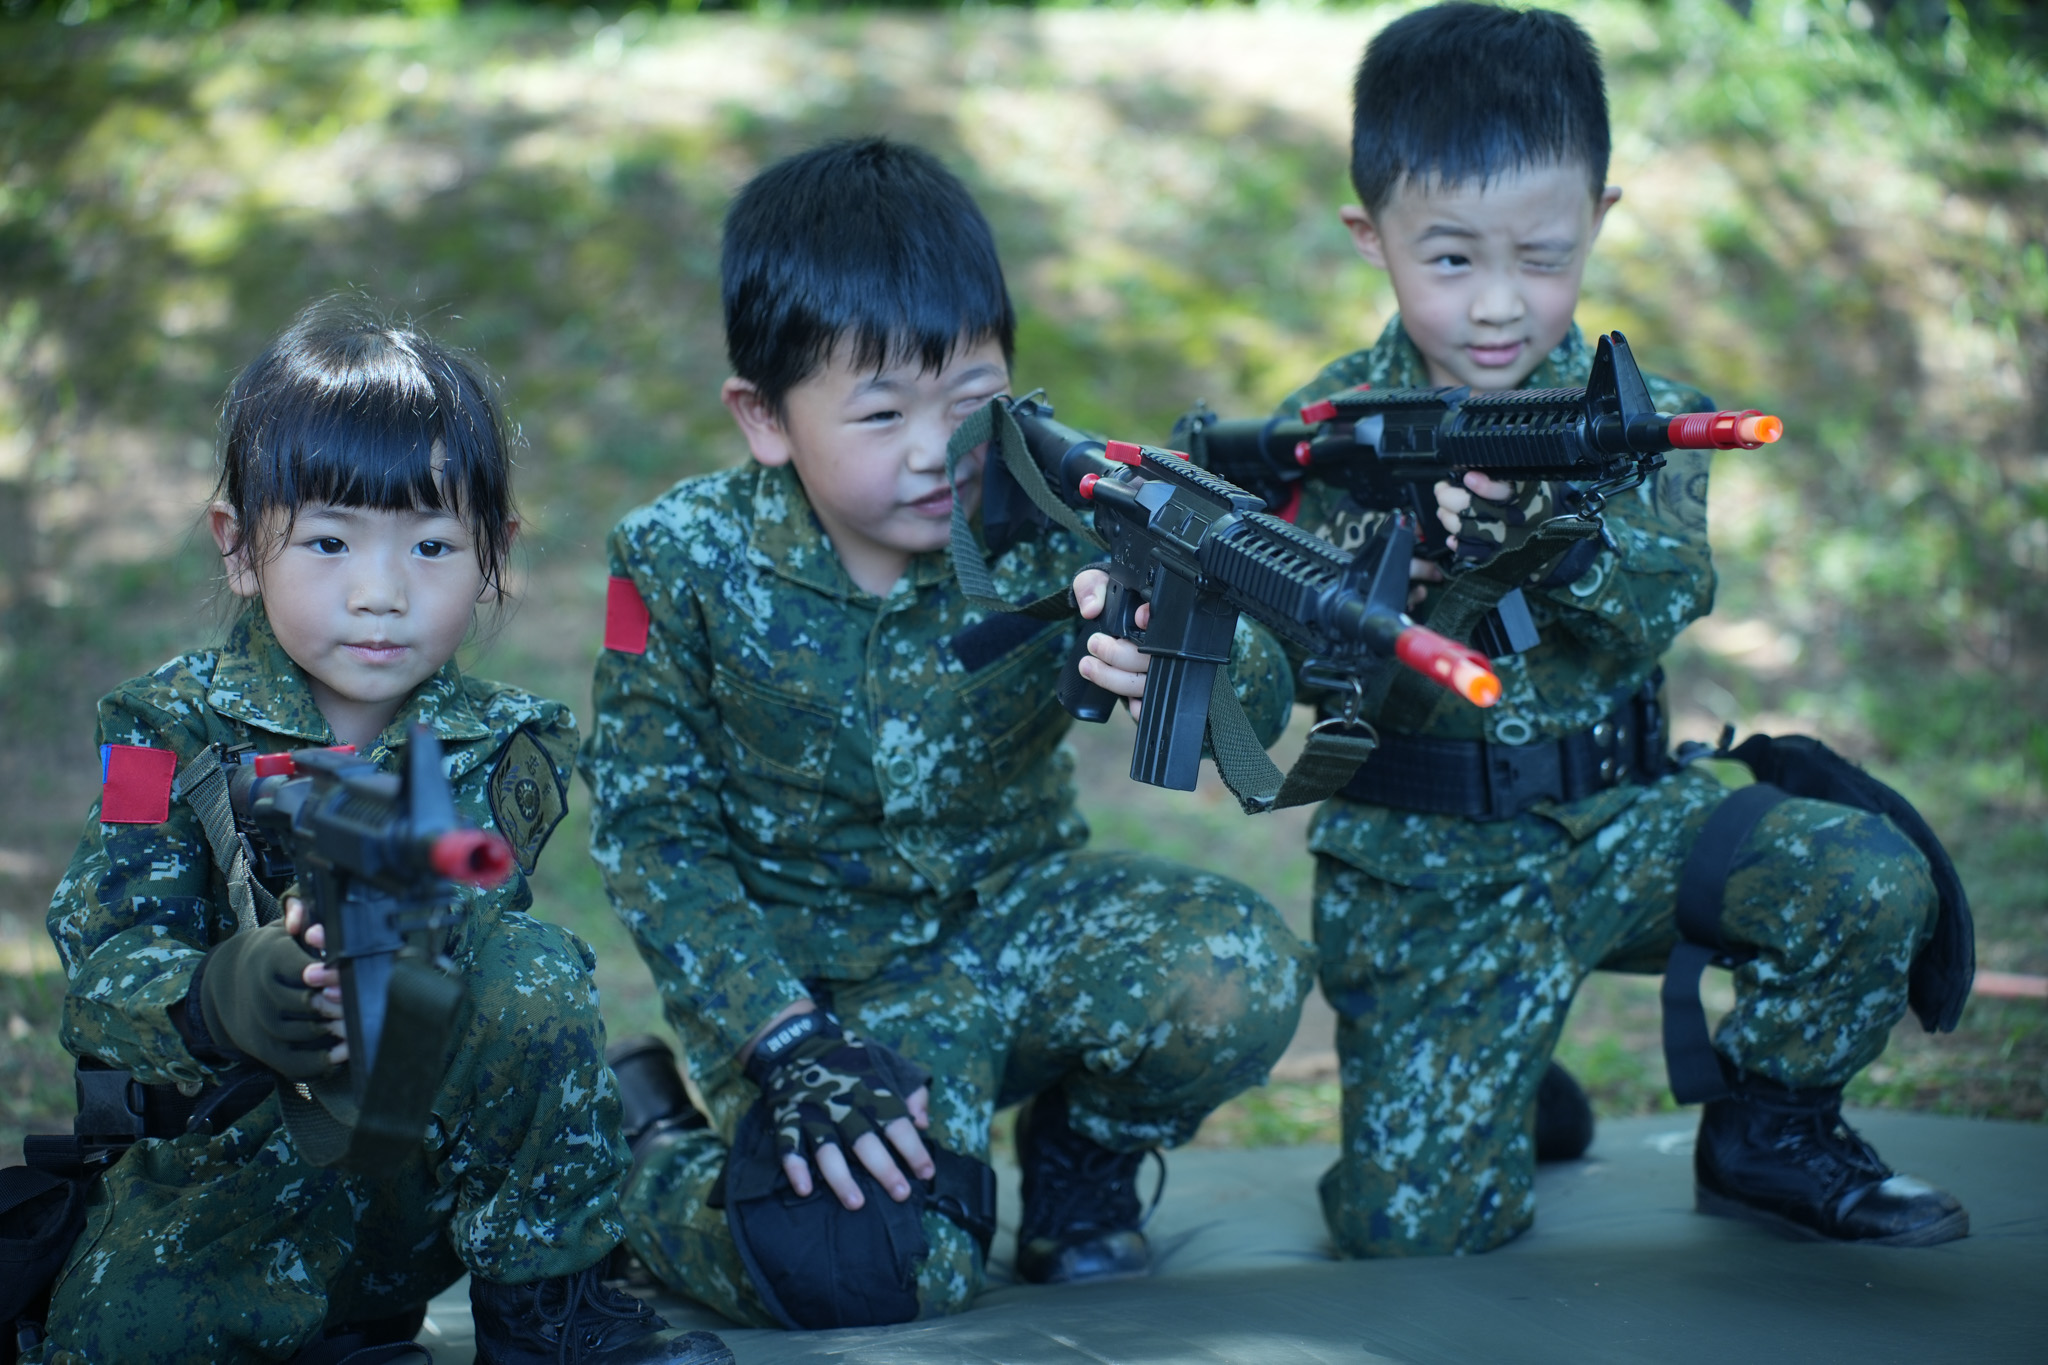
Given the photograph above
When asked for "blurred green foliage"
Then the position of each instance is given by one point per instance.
(1832, 212)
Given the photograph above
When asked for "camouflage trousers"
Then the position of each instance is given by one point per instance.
(233, 1248)
(1451, 952)
(1151, 992)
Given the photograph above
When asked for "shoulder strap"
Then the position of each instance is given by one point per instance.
(995, 426)
(1404, 700)
(203, 785)
(1328, 760)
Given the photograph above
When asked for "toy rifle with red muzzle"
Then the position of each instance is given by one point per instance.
(1389, 447)
(378, 858)
(1200, 551)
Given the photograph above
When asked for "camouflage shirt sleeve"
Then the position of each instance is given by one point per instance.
(657, 831)
(139, 905)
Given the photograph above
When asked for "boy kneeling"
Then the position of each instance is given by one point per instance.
(833, 807)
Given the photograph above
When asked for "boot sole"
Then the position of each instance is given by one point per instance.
(1949, 1229)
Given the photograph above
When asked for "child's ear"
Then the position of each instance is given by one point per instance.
(1609, 197)
(758, 421)
(234, 549)
(1365, 235)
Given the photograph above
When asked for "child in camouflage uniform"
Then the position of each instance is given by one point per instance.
(1456, 916)
(833, 806)
(364, 512)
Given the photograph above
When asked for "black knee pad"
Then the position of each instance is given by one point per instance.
(818, 1264)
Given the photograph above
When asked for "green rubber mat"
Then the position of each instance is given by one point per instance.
(1618, 1268)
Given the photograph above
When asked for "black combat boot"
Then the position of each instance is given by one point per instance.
(1564, 1117)
(652, 1100)
(579, 1318)
(1081, 1216)
(1785, 1158)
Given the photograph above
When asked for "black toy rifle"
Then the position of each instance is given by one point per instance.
(377, 857)
(1200, 550)
(1390, 447)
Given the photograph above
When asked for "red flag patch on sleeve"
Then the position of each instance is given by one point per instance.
(625, 617)
(135, 784)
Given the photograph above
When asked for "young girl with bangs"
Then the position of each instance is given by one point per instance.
(364, 515)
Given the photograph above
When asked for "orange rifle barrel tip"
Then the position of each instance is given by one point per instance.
(1761, 428)
(1476, 683)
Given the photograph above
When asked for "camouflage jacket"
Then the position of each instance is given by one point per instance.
(799, 780)
(141, 902)
(1603, 632)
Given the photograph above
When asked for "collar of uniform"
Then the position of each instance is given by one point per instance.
(1396, 356)
(256, 682)
(786, 536)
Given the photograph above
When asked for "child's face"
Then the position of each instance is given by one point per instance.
(870, 448)
(1487, 278)
(369, 603)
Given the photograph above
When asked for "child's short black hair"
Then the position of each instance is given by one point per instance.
(351, 407)
(1463, 92)
(865, 241)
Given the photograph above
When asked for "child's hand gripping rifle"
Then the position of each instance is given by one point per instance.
(1389, 448)
(1200, 552)
(378, 858)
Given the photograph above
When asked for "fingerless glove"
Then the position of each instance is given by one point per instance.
(823, 1085)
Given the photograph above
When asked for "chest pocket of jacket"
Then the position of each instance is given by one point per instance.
(1011, 707)
(777, 738)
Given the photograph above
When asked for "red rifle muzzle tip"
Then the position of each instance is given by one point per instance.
(1088, 482)
(1730, 430)
(1475, 682)
(1303, 453)
(476, 857)
(1460, 668)
(1760, 429)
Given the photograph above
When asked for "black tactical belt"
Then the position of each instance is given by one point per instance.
(115, 1111)
(1483, 780)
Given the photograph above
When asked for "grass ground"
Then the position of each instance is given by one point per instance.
(1814, 224)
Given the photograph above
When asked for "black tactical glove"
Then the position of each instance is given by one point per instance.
(254, 997)
(823, 1085)
(1488, 527)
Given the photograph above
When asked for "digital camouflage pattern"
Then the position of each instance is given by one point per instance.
(1154, 992)
(1451, 949)
(801, 792)
(233, 1248)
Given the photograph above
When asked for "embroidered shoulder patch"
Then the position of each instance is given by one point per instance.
(135, 784)
(625, 617)
(528, 797)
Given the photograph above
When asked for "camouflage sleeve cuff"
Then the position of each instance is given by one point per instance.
(140, 1030)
